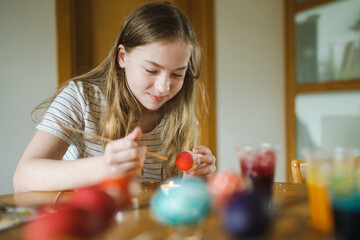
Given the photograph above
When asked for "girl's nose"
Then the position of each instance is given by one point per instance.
(162, 84)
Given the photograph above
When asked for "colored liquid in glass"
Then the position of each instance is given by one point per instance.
(260, 167)
(346, 224)
(263, 187)
(346, 209)
(320, 208)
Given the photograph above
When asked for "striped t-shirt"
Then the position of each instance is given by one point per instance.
(80, 106)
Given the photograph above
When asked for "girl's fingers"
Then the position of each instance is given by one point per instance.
(126, 168)
(207, 162)
(128, 141)
(134, 135)
(124, 156)
(202, 150)
(207, 170)
(128, 155)
(120, 144)
(208, 159)
(204, 154)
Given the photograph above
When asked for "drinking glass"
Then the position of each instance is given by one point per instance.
(258, 163)
(344, 186)
(317, 176)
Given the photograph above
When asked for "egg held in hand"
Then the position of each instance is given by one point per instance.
(186, 161)
(246, 215)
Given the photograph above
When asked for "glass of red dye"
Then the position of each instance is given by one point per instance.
(258, 163)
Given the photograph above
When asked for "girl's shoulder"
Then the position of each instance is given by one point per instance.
(85, 90)
(83, 86)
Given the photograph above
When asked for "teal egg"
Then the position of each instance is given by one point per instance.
(185, 204)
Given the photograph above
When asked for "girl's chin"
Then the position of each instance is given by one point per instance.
(151, 107)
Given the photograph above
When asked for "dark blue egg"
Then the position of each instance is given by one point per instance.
(246, 215)
(183, 205)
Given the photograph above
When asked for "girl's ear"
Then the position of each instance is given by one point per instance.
(121, 55)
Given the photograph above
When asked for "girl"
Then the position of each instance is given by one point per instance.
(142, 96)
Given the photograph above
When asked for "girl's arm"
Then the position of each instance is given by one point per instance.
(41, 168)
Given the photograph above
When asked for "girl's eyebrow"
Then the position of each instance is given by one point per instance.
(159, 66)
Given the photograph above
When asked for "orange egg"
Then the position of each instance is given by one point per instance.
(120, 189)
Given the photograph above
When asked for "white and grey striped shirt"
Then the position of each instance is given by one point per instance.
(80, 106)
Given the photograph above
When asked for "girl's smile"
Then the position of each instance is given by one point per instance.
(157, 98)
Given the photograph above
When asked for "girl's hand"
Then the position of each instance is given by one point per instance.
(207, 167)
(124, 156)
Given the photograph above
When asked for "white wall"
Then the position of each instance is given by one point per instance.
(250, 78)
(27, 75)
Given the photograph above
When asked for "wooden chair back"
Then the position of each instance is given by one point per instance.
(297, 167)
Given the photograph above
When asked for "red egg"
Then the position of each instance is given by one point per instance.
(120, 189)
(99, 205)
(223, 185)
(186, 161)
(60, 222)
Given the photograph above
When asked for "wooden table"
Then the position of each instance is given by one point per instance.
(290, 221)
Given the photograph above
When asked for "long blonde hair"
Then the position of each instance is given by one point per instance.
(150, 23)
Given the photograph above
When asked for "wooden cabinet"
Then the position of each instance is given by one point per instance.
(322, 86)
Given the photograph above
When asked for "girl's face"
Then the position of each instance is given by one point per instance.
(155, 72)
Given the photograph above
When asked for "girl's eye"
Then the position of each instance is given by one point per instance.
(150, 71)
(177, 75)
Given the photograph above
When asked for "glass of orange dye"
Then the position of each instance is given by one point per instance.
(317, 176)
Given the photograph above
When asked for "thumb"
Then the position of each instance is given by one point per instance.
(135, 134)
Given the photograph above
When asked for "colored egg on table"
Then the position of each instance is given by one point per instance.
(185, 203)
(186, 161)
(100, 206)
(59, 222)
(224, 185)
(246, 215)
(120, 189)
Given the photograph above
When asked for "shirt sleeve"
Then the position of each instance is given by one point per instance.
(67, 109)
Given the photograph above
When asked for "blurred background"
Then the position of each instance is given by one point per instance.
(284, 72)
